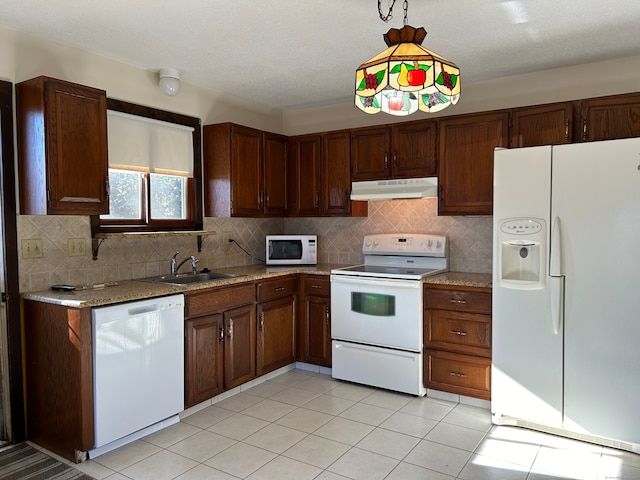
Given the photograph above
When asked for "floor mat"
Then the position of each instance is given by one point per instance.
(22, 461)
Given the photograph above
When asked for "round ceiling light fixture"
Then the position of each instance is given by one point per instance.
(169, 81)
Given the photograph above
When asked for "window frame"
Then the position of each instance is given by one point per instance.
(194, 207)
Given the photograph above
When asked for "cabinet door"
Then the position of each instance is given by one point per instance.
(543, 125)
(247, 196)
(276, 334)
(370, 153)
(336, 178)
(414, 150)
(465, 159)
(276, 199)
(317, 340)
(240, 346)
(203, 363)
(611, 118)
(306, 153)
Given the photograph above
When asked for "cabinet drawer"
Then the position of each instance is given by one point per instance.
(277, 288)
(459, 332)
(461, 374)
(317, 285)
(478, 301)
(218, 300)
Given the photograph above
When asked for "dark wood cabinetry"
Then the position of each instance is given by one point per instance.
(400, 151)
(457, 330)
(305, 175)
(62, 148)
(220, 349)
(244, 172)
(276, 310)
(609, 118)
(542, 125)
(465, 157)
(315, 320)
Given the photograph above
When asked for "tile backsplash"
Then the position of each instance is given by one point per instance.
(339, 241)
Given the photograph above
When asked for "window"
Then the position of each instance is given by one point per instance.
(154, 171)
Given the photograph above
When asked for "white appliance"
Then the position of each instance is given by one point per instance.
(396, 188)
(566, 308)
(291, 250)
(138, 368)
(376, 311)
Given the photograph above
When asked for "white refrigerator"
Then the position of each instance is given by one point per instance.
(566, 290)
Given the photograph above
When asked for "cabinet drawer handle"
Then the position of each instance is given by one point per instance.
(279, 289)
(316, 286)
(458, 374)
(456, 300)
(386, 160)
(221, 338)
(261, 325)
(327, 315)
(458, 332)
(230, 331)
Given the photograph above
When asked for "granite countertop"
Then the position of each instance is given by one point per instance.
(129, 290)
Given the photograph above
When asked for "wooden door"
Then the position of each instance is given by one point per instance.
(610, 118)
(240, 346)
(414, 150)
(276, 198)
(276, 334)
(465, 158)
(370, 153)
(336, 178)
(247, 195)
(306, 153)
(542, 125)
(204, 345)
(317, 341)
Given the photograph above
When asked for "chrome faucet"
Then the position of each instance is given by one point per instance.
(175, 266)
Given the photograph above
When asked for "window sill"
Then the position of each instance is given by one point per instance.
(98, 238)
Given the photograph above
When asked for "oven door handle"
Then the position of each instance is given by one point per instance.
(376, 282)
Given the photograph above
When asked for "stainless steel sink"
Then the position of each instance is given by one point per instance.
(187, 278)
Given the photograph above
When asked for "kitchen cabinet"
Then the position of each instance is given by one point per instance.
(320, 179)
(58, 378)
(315, 321)
(62, 148)
(245, 172)
(276, 311)
(220, 343)
(465, 159)
(609, 118)
(542, 125)
(457, 339)
(405, 150)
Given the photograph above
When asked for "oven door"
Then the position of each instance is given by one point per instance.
(377, 311)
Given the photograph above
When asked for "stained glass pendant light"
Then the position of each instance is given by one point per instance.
(406, 77)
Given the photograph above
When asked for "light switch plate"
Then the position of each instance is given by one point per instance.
(31, 248)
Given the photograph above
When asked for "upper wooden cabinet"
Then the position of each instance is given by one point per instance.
(467, 144)
(244, 172)
(319, 178)
(608, 118)
(542, 125)
(62, 148)
(400, 151)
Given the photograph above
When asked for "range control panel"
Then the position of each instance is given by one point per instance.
(414, 244)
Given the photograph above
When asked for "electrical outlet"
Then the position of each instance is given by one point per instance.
(31, 248)
(77, 247)
(226, 237)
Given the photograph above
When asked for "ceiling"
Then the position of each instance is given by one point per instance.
(289, 54)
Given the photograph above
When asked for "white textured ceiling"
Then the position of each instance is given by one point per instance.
(299, 53)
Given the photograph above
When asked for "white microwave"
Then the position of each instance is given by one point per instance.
(291, 250)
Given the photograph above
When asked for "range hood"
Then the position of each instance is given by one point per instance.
(395, 189)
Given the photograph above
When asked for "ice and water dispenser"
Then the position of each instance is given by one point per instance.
(522, 253)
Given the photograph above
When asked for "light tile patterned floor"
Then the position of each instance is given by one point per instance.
(303, 426)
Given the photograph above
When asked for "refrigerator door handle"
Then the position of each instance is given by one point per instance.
(556, 282)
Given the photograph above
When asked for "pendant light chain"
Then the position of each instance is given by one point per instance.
(389, 16)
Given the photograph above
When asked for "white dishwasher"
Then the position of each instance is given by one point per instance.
(138, 368)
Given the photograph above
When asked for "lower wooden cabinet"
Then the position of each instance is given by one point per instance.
(276, 311)
(457, 338)
(220, 342)
(315, 321)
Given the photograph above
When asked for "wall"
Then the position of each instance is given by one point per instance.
(23, 57)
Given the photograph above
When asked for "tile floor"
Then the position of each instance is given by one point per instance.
(301, 425)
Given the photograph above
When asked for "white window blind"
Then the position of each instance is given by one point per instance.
(141, 142)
